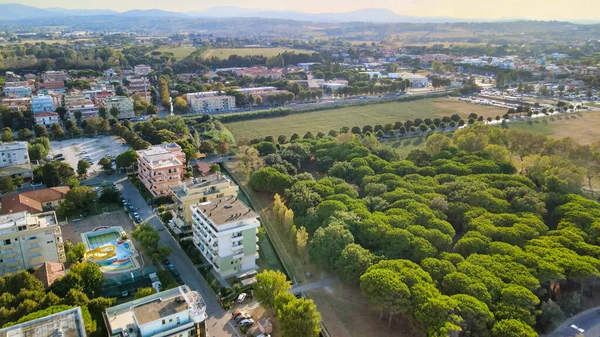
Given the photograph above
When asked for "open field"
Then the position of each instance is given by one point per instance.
(34, 41)
(180, 52)
(75, 149)
(323, 121)
(224, 53)
(581, 126)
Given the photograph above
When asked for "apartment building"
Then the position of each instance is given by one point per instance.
(224, 231)
(42, 103)
(47, 118)
(142, 69)
(19, 91)
(161, 167)
(200, 103)
(68, 323)
(196, 191)
(55, 76)
(123, 103)
(177, 312)
(51, 86)
(14, 153)
(17, 103)
(28, 240)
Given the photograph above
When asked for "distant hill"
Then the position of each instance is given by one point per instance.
(157, 13)
(81, 12)
(16, 11)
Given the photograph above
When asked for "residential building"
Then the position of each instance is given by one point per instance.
(18, 91)
(196, 191)
(224, 231)
(272, 73)
(47, 118)
(28, 240)
(17, 103)
(100, 97)
(138, 85)
(123, 103)
(50, 272)
(42, 103)
(418, 81)
(55, 76)
(51, 86)
(35, 201)
(161, 167)
(201, 103)
(142, 69)
(68, 323)
(177, 312)
(14, 153)
(76, 101)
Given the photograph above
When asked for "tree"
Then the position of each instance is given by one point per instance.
(437, 142)
(7, 185)
(82, 167)
(24, 134)
(385, 289)
(114, 111)
(269, 284)
(126, 159)
(437, 66)
(75, 253)
(7, 135)
(51, 176)
(103, 113)
(512, 328)
(106, 164)
(143, 292)
(328, 243)
(90, 275)
(79, 199)
(223, 148)
(180, 105)
(269, 179)
(299, 318)
(62, 113)
(301, 240)
(354, 262)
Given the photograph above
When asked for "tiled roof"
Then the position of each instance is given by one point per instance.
(50, 272)
(32, 201)
(46, 114)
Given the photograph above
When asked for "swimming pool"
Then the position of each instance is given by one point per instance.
(110, 252)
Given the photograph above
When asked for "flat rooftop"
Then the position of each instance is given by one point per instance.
(158, 308)
(68, 323)
(225, 210)
(203, 182)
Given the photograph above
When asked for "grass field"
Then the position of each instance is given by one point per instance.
(34, 41)
(323, 121)
(180, 52)
(581, 126)
(224, 53)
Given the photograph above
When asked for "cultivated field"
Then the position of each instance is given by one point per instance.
(224, 53)
(179, 52)
(323, 121)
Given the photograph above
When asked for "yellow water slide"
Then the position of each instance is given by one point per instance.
(101, 253)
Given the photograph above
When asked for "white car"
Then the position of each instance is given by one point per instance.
(247, 322)
(241, 298)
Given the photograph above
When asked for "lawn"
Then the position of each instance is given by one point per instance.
(325, 120)
(224, 53)
(582, 126)
(180, 52)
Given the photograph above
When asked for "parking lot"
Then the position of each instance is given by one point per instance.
(74, 150)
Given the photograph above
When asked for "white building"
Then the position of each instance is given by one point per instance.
(47, 118)
(123, 104)
(142, 69)
(14, 153)
(19, 91)
(68, 323)
(202, 103)
(29, 240)
(42, 103)
(177, 312)
(418, 81)
(224, 230)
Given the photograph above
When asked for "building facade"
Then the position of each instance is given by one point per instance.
(47, 118)
(41, 103)
(178, 312)
(142, 69)
(161, 167)
(195, 191)
(20, 91)
(224, 231)
(28, 240)
(123, 104)
(14, 153)
(201, 104)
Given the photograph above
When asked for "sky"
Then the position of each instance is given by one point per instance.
(469, 9)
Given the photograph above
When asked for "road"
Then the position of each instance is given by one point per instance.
(588, 320)
(218, 323)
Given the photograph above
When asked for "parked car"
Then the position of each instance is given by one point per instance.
(137, 219)
(59, 155)
(242, 317)
(83, 152)
(241, 298)
(131, 208)
(247, 322)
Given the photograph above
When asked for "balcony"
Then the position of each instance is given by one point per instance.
(37, 259)
(237, 239)
(9, 253)
(11, 263)
(238, 256)
(35, 249)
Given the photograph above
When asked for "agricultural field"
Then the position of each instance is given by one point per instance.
(325, 120)
(581, 126)
(180, 52)
(224, 53)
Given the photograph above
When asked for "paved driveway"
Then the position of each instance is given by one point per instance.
(218, 323)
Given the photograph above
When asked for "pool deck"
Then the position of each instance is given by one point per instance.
(97, 238)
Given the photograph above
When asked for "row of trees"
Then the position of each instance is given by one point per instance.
(450, 237)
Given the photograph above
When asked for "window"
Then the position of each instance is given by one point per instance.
(163, 321)
(170, 320)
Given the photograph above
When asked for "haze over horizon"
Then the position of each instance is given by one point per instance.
(464, 9)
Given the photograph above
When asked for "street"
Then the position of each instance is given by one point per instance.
(588, 320)
(218, 323)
